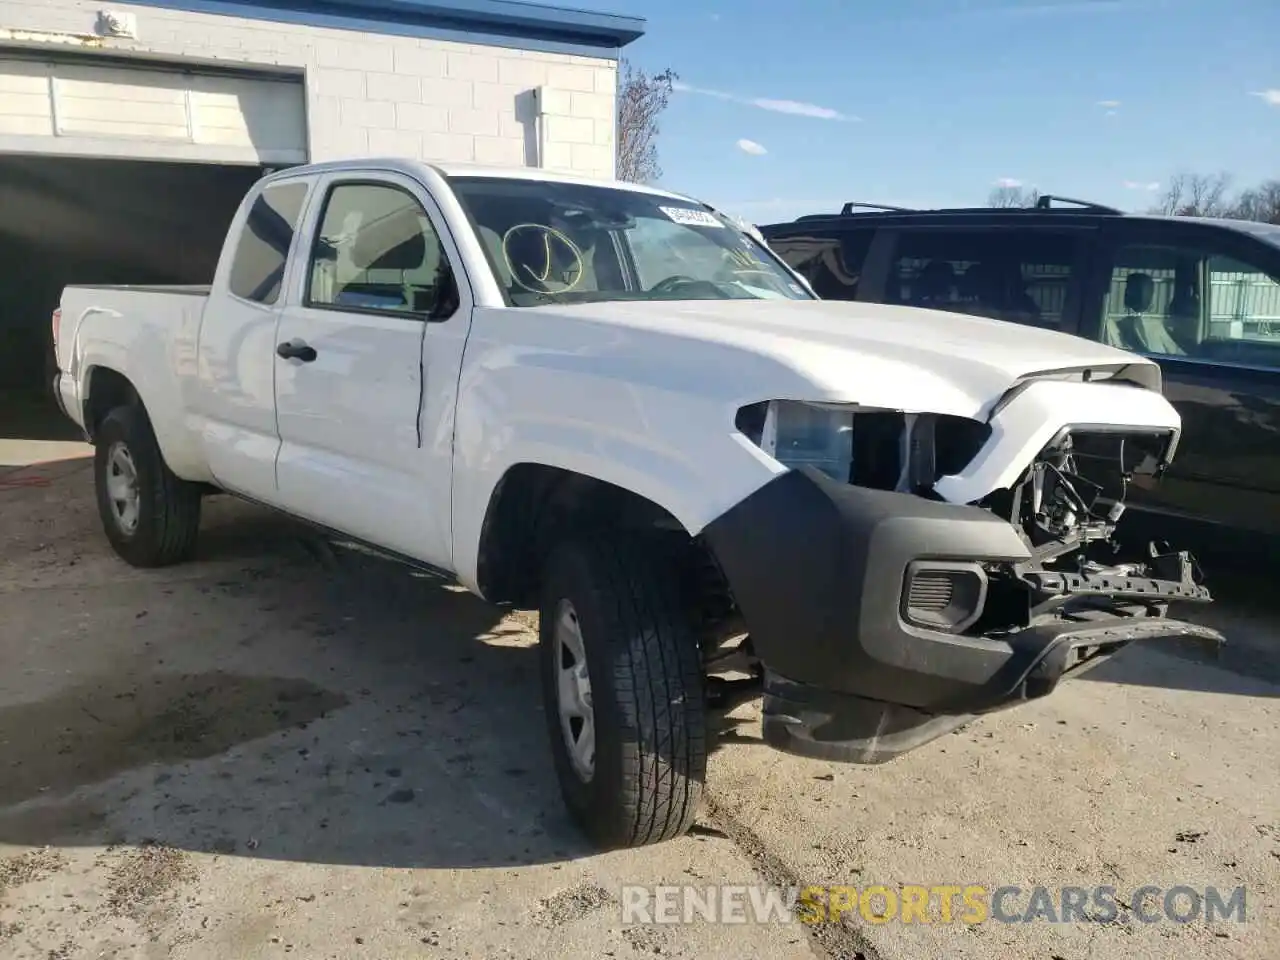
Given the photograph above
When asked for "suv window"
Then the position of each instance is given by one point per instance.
(263, 248)
(832, 263)
(1016, 275)
(1156, 303)
(376, 250)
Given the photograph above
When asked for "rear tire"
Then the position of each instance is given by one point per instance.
(644, 692)
(150, 516)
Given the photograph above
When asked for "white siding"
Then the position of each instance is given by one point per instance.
(364, 93)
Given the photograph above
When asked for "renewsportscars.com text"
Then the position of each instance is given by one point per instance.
(937, 903)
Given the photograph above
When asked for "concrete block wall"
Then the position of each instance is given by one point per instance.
(371, 93)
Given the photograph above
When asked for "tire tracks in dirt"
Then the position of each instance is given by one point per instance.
(829, 941)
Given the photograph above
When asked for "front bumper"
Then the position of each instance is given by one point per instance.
(818, 570)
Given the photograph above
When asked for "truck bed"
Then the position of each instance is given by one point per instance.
(155, 325)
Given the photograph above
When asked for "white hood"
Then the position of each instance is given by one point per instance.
(903, 358)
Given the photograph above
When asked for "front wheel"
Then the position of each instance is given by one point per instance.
(623, 688)
(150, 516)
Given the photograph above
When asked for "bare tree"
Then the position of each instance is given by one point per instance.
(641, 99)
(1196, 195)
(1261, 203)
(1009, 197)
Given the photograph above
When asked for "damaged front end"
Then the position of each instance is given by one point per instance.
(884, 614)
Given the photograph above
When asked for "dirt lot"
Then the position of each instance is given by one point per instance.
(283, 749)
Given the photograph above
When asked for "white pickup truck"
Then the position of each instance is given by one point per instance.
(612, 404)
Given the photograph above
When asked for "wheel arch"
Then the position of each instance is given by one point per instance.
(105, 389)
(534, 504)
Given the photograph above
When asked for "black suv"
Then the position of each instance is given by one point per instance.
(1199, 296)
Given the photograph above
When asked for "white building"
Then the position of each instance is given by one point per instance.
(129, 132)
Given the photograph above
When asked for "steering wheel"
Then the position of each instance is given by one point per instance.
(539, 275)
(668, 284)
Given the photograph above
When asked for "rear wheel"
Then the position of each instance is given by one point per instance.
(150, 516)
(623, 688)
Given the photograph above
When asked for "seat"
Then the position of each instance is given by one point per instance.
(1184, 313)
(982, 289)
(384, 253)
(1140, 330)
(934, 286)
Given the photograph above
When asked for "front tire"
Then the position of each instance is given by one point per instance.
(150, 516)
(623, 688)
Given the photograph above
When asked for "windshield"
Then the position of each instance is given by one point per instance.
(553, 242)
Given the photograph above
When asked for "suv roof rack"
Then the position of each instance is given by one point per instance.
(848, 208)
(1045, 202)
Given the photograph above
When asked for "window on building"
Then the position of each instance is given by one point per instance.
(831, 262)
(1157, 304)
(1021, 276)
(377, 250)
(263, 248)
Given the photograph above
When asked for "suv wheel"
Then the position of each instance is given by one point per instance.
(623, 687)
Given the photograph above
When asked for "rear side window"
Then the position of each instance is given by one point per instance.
(263, 248)
(831, 262)
(1016, 275)
(1192, 301)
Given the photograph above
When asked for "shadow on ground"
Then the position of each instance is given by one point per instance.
(1245, 609)
(278, 699)
(281, 699)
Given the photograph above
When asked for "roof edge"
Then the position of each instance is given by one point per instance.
(501, 22)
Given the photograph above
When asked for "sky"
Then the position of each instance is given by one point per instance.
(786, 107)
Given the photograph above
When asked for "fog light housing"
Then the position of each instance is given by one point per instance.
(943, 595)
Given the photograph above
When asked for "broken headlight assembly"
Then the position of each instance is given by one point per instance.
(879, 449)
(799, 434)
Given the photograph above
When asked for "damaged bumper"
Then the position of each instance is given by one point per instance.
(874, 616)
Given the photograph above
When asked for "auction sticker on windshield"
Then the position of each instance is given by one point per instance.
(691, 218)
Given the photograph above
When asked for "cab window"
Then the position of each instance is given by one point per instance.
(376, 250)
(262, 250)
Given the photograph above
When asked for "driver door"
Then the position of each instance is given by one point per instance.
(368, 352)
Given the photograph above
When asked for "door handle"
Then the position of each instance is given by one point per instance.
(295, 350)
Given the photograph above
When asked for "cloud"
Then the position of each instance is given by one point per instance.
(1061, 7)
(751, 147)
(797, 108)
(1149, 185)
(1271, 96)
(1009, 183)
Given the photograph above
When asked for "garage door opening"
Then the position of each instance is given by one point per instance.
(72, 220)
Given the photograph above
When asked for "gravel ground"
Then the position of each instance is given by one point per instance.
(283, 749)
